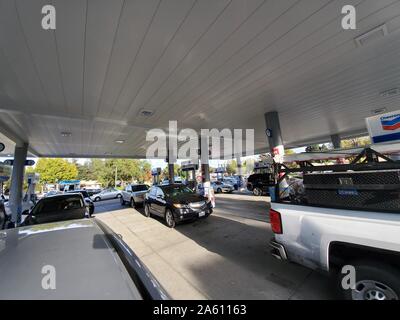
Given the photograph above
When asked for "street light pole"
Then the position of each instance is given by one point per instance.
(116, 171)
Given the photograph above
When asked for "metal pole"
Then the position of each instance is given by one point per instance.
(116, 171)
(17, 179)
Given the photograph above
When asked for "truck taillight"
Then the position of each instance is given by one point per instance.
(276, 221)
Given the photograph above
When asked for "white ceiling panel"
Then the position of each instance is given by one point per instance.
(205, 63)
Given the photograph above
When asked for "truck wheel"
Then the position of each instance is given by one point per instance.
(122, 201)
(374, 281)
(257, 192)
(133, 203)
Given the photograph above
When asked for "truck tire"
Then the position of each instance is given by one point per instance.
(122, 201)
(374, 281)
(133, 203)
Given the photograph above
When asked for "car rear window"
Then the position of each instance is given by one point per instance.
(140, 187)
(53, 204)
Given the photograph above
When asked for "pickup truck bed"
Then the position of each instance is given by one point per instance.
(327, 239)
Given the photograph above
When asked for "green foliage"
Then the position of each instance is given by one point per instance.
(103, 171)
(317, 148)
(177, 172)
(126, 171)
(53, 170)
(231, 167)
(355, 142)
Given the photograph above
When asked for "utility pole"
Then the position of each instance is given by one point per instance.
(116, 171)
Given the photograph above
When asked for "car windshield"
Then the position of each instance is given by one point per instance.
(175, 190)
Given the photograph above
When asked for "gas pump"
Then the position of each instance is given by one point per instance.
(190, 174)
(32, 179)
(156, 173)
(220, 171)
(5, 173)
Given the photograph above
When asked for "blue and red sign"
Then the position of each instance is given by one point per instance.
(391, 123)
(385, 127)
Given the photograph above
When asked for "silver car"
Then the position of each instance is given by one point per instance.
(76, 259)
(220, 187)
(107, 194)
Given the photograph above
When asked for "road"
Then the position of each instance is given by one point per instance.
(223, 257)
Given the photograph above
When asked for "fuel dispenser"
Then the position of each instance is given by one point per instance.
(190, 174)
(156, 173)
(32, 179)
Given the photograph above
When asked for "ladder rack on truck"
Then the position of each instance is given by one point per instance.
(370, 176)
(346, 220)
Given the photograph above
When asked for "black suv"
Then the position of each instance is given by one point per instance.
(258, 183)
(56, 208)
(176, 203)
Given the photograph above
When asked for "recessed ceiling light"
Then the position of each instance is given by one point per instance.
(107, 153)
(372, 35)
(146, 113)
(390, 93)
(378, 111)
(66, 134)
(119, 141)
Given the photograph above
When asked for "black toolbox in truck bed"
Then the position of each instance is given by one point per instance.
(360, 190)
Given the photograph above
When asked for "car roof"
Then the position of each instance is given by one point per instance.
(86, 266)
(63, 195)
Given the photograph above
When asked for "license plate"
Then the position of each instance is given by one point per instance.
(202, 214)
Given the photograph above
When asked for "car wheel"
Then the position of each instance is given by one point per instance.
(122, 201)
(257, 192)
(146, 210)
(374, 281)
(97, 199)
(133, 203)
(219, 190)
(119, 195)
(169, 219)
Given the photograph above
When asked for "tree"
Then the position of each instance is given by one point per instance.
(355, 142)
(317, 148)
(231, 167)
(54, 170)
(128, 171)
(177, 172)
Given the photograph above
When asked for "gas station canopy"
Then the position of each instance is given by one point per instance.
(111, 70)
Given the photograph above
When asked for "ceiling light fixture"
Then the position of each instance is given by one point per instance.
(119, 141)
(372, 35)
(146, 113)
(378, 111)
(390, 93)
(66, 134)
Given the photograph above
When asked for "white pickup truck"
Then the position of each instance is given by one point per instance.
(328, 239)
(340, 241)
